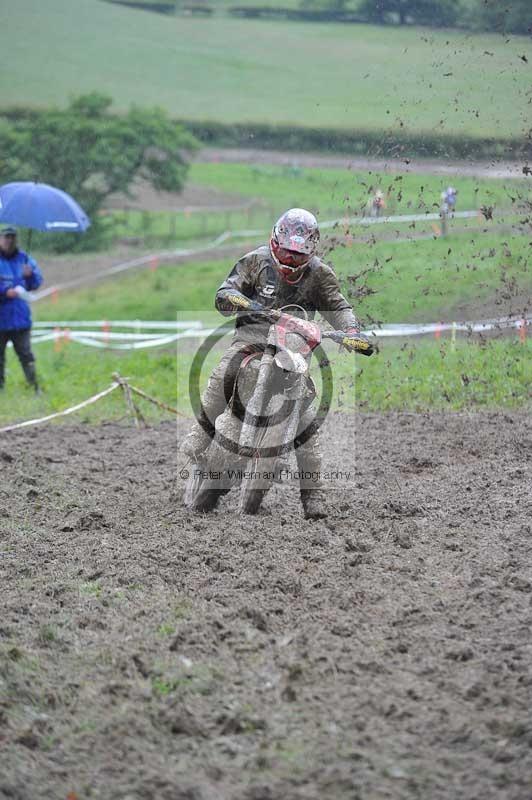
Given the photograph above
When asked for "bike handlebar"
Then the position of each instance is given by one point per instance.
(243, 304)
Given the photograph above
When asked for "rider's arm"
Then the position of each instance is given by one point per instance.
(239, 279)
(331, 303)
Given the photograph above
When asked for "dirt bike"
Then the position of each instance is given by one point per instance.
(273, 389)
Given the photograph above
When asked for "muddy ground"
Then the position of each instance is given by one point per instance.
(150, 654)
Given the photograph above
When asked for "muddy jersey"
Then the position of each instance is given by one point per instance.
(317, 291)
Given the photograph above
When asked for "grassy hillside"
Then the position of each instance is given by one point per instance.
(230, 70)
(419, 280)
(326, 190)
(330, 193)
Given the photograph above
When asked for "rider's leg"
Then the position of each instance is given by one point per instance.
(214, 400)
(309, 460)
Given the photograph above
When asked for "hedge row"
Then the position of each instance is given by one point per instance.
(164, 8)
(158, 8)
(246, 12)
(357, 142)
(299, 14)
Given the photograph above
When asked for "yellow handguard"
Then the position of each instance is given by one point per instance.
(235, 301)
(357, 344)
(238, 300)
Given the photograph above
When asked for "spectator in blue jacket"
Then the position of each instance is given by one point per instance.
(19, 274)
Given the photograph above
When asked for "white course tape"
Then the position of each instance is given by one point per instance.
(403, 329)
(333, 223)
(137, 324)
(159, 342)
(64, 413)
(116, 340)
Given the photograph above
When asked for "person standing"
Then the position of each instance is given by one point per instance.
(450, 198)
(19, 274)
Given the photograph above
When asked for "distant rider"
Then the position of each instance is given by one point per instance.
(19, 274)
(449, 197)
(378, 204)
(285, 271)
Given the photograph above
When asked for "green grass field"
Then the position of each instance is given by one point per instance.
(330, 193)
(325, 190)
(416, 280)
(421, 376)
(342, 76)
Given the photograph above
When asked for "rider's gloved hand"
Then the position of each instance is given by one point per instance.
(357, 342)
(225, 307)
(230, 301)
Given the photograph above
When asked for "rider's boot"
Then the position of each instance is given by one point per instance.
(314, 503)
(312, 490)
(196, 441)
(213, 402)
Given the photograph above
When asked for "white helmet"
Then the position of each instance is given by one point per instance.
(297, 230)
(294, 241)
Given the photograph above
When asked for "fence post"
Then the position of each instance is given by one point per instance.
(106, 327)
(453, 337)
(444, 216)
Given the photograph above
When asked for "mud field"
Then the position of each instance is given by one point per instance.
(150, 654)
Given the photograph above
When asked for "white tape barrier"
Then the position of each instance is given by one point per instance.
(334, 223)
(137, 324)
(403, 329)
(28, 423)
(125, 340)
(166, 255)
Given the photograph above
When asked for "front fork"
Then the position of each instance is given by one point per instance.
(257, 404)
(256, 407)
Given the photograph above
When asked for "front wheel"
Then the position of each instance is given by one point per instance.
(252, 495)
(258, 477)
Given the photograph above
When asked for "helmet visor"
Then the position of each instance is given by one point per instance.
(290, 258)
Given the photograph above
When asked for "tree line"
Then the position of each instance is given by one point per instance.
(502, 16)
(510, 16)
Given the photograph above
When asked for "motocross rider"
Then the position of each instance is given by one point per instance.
(285, 271)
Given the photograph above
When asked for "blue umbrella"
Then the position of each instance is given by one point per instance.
(40, 207)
